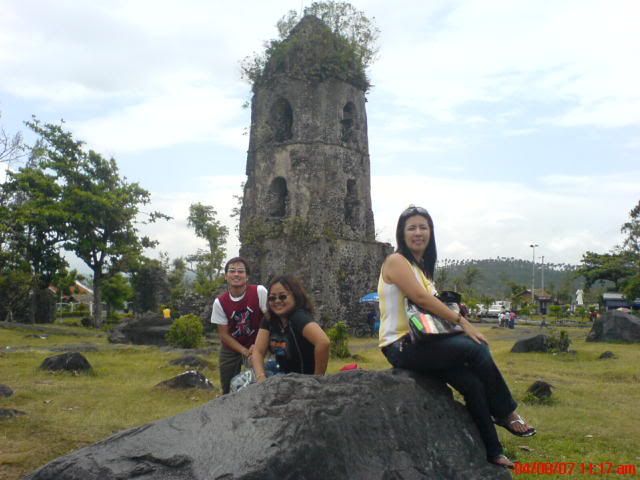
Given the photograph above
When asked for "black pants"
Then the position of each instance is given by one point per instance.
(469, 368)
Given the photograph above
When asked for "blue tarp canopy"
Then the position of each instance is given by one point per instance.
(369, 298)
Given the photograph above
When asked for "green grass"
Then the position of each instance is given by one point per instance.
(594, 416)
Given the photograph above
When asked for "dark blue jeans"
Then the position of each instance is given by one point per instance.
(469, 368)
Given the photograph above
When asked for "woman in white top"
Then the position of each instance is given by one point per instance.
(463, 361)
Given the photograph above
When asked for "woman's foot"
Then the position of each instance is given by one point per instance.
(516, 425)
(501, 461)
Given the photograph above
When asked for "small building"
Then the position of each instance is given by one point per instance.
(613, 300)
(79, 294)
(542, 299)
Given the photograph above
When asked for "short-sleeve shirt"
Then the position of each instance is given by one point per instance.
(292, 351)
(242, 314)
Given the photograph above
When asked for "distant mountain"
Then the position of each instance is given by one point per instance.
(494, 276)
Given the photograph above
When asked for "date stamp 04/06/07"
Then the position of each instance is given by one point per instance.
(574, 468)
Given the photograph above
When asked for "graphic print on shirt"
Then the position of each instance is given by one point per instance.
(279, 345)
(242, 321)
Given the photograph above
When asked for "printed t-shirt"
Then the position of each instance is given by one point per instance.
(243, 315)
(292, 351)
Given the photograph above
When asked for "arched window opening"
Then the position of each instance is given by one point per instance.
(351, 204)
(281, 120)
(277, 201)
(348, 122)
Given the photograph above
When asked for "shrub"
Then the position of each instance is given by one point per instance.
(339, 336)
(186, 332)
(556, 311)
(559, 342)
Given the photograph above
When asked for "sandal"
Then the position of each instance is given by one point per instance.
(508, 424)
(502, 461)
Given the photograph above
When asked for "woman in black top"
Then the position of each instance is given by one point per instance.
(289, 332)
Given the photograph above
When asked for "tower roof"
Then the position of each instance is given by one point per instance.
(313, 52)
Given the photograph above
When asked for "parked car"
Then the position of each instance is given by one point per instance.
(498, 307)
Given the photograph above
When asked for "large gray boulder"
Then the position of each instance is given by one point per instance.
(537, 343)
(615, 326)
(353, 425)
(145, 329)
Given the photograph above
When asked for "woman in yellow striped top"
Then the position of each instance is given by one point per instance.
(463, 361)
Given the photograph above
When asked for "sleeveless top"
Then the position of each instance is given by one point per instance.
(393, 317)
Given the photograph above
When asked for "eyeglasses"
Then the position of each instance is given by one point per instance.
(282, 297)
(413, 210)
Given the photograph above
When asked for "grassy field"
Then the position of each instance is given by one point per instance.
(594, 418)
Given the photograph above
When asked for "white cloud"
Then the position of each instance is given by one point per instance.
(180, 115)
(174, 235)
(576, 52)
(491, 219)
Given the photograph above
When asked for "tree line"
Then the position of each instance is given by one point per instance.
(67, 198)
(502, 278)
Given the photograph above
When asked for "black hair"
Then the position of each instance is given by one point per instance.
(294, 285)
(428, 263)
(236, 260)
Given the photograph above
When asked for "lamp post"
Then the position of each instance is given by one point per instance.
(533, 274)
(542, 272)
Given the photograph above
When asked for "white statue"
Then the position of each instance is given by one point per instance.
(579, 300)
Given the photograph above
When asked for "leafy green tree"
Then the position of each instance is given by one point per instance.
(208, 262)
(632, 230)
(469, 277)
(345, 55)
(150, 285)
(632, 248)
(344, 20)
(614, 267)
(116, 291)
(442, 278)
(101, 206)
(64, 281)
(516, 294)
(34, 221)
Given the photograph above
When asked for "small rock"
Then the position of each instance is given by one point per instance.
(10, 413)
(607, 354)
(540, 389)
(5, 391)
(190, 379)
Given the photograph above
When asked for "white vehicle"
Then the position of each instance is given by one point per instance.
(497, 307)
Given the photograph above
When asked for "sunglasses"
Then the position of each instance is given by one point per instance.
(282, 297)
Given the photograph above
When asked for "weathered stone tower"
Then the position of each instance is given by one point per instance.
(307, 200)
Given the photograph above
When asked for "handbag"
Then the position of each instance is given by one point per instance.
(424, 325)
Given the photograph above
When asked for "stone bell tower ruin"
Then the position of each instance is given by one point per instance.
(306, 209)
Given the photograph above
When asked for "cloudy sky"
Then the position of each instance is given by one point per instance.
(512, 121)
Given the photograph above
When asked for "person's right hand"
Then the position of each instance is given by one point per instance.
(471, 331)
